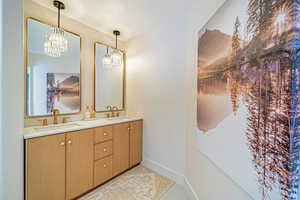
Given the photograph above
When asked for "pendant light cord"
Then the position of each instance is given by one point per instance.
(116, 41)
(59, 16)
(116, 33)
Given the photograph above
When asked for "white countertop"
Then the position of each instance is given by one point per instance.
(39, 131)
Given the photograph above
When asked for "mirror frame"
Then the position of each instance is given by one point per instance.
(26, 59)
(124, 78)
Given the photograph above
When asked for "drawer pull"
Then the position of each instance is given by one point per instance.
(62, 144)
(105, 134)
(104, 149)
(104, 166)
(70, 142)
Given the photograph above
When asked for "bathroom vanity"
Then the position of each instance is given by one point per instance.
(66, 161)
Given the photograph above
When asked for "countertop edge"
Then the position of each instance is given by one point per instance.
(82, 127)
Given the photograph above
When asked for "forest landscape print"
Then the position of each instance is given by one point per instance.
(63, 92)
(247, 94)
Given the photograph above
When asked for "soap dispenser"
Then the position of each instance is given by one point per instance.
(87, 114)
(93, 113)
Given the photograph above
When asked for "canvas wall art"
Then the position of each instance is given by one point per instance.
(248, 86)
(63, 92)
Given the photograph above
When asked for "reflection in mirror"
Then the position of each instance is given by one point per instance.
(109, 80)
(52, 83)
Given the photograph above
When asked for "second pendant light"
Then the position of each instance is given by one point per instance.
(115, 58)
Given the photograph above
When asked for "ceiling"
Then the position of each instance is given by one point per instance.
(131, 17)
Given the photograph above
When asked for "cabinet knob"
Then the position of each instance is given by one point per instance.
(70, 142)
(105, 134)
(104, 166)
(104, 149)
(128, 128)
(62, 143)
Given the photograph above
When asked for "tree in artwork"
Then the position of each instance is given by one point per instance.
(236, 38)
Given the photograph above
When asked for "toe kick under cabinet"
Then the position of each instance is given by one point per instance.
(66, 166)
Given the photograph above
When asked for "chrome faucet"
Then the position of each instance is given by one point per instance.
(55, 113)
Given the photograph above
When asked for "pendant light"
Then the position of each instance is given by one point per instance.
(116, 56)
(56, 42)
(107, 59)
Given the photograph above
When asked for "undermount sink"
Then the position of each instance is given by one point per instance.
(55, 127)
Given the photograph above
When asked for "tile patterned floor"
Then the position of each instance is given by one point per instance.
(139, 183)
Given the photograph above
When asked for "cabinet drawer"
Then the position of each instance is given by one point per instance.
(103, 149)
(102, 170)
(103, 134)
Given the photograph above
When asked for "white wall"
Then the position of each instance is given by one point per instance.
(12, 100)
(208, 181)
(155, 87)
(162, 87)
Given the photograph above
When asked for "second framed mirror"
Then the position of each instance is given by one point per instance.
(109, 79)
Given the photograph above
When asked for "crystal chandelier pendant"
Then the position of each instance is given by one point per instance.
(56, 42)
(107, 61)
(116, 58)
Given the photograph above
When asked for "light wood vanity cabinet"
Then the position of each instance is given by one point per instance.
(103, 170)
(65, 166)
(103, 134)
(121, 148)
(104, 149)
(80, 162)
(127, 146)
(103, 154)
(136, 142)
(45, 160)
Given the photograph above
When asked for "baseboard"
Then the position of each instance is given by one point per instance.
(171, 174)
(190, 190)
(164, 171)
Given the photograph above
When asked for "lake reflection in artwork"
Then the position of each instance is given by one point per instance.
(248, 86)
(63, 92)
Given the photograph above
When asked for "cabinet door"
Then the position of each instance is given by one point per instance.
(120, 148)
(80, 162)
(45, 168)
(136, 142)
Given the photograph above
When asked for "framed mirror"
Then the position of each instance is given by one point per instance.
(109, 79)
(51, 82)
